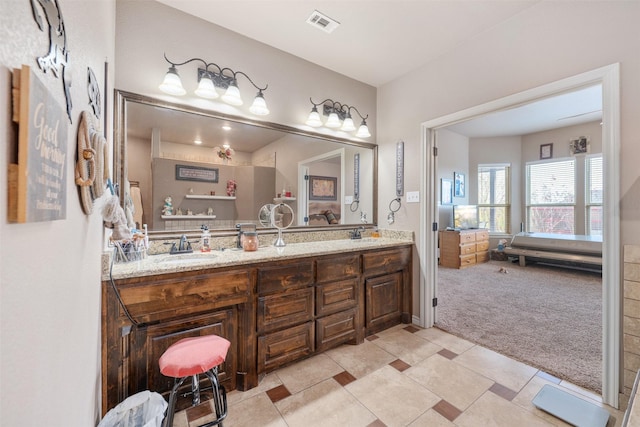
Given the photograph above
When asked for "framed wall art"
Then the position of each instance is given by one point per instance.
(195, 173)
(546, 151)
(446, 191)
(323, 188)
(458, 184)
(579, 145)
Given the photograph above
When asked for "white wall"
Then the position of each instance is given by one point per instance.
(536, 47)
(50, 271)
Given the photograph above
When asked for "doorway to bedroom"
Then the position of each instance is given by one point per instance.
(524, 208)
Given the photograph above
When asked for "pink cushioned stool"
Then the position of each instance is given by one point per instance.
(191, 357)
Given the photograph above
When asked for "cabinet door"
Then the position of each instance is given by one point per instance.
(279, 348)
(383, 306)
(156, 340)
(336, 296)
(283, 310)
(336, 329)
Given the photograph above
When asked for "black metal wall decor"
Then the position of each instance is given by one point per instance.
(57, 58)
(93, 90)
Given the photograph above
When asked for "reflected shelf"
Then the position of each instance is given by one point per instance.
(207, 197)
(188, 216)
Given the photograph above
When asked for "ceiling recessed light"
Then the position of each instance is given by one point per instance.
(226, 127)
(197, 141)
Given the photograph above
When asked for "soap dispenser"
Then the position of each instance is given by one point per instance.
(206, 237)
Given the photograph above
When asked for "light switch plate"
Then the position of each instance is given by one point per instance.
(413, 196)
(348, 200)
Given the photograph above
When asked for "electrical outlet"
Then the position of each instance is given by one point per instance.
(413, 196)
(348, 200)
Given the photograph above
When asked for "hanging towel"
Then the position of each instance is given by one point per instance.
(137, 206)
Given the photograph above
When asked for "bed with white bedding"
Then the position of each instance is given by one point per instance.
(570, 249)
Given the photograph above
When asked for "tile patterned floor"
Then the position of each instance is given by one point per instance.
(404, 376)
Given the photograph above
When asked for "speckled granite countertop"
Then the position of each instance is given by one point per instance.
(165, 263)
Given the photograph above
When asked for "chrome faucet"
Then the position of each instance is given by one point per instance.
(357, 233)
(184, 246)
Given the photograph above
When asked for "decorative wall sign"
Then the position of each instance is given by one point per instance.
(322, 188)
(93, 90)
(399, 168)
(579, 145)
(56, 59)
(37, 183)
(458, 184)
(194, 173)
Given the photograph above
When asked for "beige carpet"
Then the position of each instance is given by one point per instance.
(548, 317)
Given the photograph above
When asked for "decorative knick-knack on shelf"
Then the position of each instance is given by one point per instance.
(231, 188)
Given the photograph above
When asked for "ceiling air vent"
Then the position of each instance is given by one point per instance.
(322, 22)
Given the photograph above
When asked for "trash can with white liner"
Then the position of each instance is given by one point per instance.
(143, 409)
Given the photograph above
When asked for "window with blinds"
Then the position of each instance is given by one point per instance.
(551, 196)
(494, 198)
(594, 194)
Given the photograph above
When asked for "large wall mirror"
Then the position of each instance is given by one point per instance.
(174, 154)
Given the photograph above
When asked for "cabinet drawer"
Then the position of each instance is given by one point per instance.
(337, 296)
(283, 310)
(482, 257)
(467, 237)
(386, 261)
(179, 296)
(482, 235)
(482, 246)
(467, 260)
(289, 276)
(337, 268)
(468, 248)
(335, 329)
(279, 348)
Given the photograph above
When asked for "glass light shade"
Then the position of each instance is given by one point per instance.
(348, 125)
(314, 118)
(333, 121)
(259, 106)
(363, 131)
(172, 83)
(232, 95)
(206, 89)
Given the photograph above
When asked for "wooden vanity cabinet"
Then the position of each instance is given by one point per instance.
(274, 313)
(167, 308)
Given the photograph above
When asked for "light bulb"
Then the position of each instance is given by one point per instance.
(333, 121)
(172, 83)
(206, 89)
(232, 95)
(363, 130)
(314, 118)
(259, 106)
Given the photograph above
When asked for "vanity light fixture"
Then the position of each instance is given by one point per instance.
(211, 80)
(339, 116)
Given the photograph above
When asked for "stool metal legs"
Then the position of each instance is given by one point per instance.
(219, 398)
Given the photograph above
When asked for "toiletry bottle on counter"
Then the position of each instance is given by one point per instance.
(206, 237)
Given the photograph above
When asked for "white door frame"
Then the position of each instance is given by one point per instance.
(609, 78)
